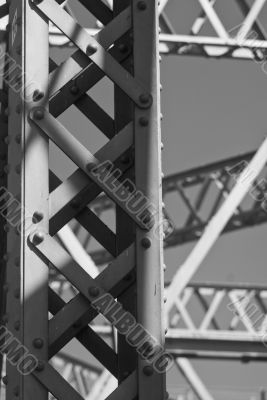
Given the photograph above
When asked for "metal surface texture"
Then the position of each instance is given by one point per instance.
(58, 256)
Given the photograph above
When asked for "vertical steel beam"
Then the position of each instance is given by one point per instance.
(3, 184)
(125, 229)
(149, 250)
(27, 275)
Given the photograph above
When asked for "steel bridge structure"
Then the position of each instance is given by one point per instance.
(61, 262)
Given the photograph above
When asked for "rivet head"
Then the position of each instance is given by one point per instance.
(16, 391)
(18, 169)
(7, 169)
(146, 243)
(38, 343)
(5, 288)
(75, 204)
(37, 217)
(17, 325)
(148, 370)
(7, 139)
(38, 238)
(18, 108)
(17, 261)
(123, 48)
(37, 95)
(5, 380)
(38, 114)
(141, 5)
(125, 159)
(94, 291)
(143, 121)
(40, 366)
(18, 139)
(144, 98)
(74, 89)
(91, 49)
(6, 228)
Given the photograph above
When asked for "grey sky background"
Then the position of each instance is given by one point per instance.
(213, 109)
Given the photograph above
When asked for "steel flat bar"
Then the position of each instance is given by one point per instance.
(88, 338)
(212, 41)
(4, 10)
(79, 61)
(100, 56)
(110, 279)
(103, 13)
(205, 306)
(82, 157)
(216, 225)
(126, 390)
(250, 19)
(193, 379)
(79, 181)
(188, 204)
(199, 201)
(212, 309)
(96, 115)
(257, 26)
(71, 242)
(93, 225)
(56, 384)
(162, 5)
(214, 19)
(98, 229)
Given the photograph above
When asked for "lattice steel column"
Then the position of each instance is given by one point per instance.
(27, 275)
(135, 276)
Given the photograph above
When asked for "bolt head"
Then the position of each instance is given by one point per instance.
(91, 49)
(146, 243)
(38, 238)
(94, 291)
(38, 343)
(38, 114)
(148, 370)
